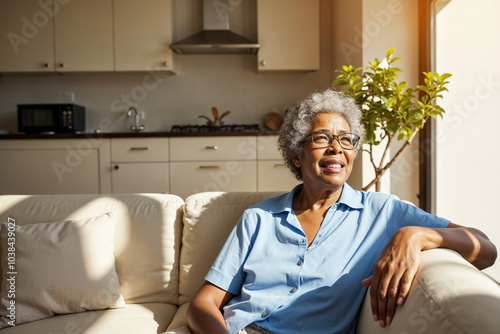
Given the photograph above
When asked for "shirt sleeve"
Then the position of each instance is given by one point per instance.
(227, 271)
(401, 214)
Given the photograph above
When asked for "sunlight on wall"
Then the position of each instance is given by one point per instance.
(467, 159)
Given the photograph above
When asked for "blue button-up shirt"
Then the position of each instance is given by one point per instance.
(286, 287)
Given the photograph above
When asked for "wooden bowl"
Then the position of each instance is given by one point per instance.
(273, 121)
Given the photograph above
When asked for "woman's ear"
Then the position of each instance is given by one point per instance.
(296, 162)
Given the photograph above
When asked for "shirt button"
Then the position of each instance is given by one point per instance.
(292, 290)
(264, 314)
(300, 263)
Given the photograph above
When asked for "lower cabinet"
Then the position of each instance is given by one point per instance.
(188, 178)
(139, 165)
(274, 176)
(177, 165)
(73, 166)
(272, 173)
(199, 164)
(140, 177)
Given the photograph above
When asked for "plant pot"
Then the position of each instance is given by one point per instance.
(215, 124)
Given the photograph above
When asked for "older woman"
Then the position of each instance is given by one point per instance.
(301, 262)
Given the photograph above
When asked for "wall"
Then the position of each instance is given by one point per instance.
(467, 156)
(229, 82)
(365, 30)
(352, 32)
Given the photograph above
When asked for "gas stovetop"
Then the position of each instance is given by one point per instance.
(206, 128)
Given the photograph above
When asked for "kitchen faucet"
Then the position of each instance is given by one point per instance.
(137, 127)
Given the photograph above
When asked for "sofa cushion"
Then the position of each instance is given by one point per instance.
(449, 295)
(147, 235)
(208, 220)
(179, 322)
(134, 319)
(58, 268)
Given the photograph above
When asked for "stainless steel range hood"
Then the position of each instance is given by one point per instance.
(216, 38)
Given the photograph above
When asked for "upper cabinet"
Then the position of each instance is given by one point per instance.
(26, 36)
(143, 33)
(83, 31)
(85, 35)
(289, 35)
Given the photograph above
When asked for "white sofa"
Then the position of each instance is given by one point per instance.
(163, 246)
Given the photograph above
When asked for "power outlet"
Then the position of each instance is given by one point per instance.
(69, 97)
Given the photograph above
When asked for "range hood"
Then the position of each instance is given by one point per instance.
(216, 38)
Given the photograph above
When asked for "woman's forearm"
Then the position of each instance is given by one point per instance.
(205, 319)
(472, 244)
(204, 314)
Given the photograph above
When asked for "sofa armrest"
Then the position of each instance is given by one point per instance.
(449, 295)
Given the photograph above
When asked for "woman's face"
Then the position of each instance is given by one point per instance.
(330, 166)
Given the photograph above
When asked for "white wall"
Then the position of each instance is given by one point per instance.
(382, 25)
(364, 30)
(468, 156)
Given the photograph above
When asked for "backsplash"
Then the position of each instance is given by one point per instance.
(227, 82)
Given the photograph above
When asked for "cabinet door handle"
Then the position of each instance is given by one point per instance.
(211, 147)
(142, 148)
(62, 65)
(116, 167)
(47, 65)
(210, 167)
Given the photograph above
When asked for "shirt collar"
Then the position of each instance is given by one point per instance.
(349, 197)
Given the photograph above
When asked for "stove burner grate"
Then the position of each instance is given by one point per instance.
(206, 128)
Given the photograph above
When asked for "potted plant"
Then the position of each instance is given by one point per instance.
(390, 109)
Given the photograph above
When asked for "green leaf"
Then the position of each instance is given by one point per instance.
(388, 105)
(389, 53)
(393, 126)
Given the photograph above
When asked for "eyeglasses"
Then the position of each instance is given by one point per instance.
(322, 139)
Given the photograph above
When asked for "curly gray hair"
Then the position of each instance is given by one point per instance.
(297, 122)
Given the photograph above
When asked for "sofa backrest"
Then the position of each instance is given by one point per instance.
(208, 220)
(147, 235)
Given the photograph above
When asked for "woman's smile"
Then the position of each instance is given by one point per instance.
(332, 166)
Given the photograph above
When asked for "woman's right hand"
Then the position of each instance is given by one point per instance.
(393, 274)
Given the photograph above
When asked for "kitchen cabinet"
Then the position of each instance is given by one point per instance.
(83, 31)
(27, 32)
(272, 173)
(143, 32)
(139, 165)
(48, 36)
(200, 164)
(85, 35)
(177, 165)
(285, 45)
(72, 166)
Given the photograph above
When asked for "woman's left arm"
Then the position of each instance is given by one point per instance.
(471, 243)
(398, 263)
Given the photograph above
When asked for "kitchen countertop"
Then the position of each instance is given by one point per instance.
(139, 134)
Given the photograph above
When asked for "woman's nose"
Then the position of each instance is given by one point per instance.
(335, 146)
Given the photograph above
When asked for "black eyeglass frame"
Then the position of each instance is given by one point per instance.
(332, 137)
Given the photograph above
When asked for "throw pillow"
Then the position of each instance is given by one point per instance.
(57, 268)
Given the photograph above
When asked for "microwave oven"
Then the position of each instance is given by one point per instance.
(51, 118)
